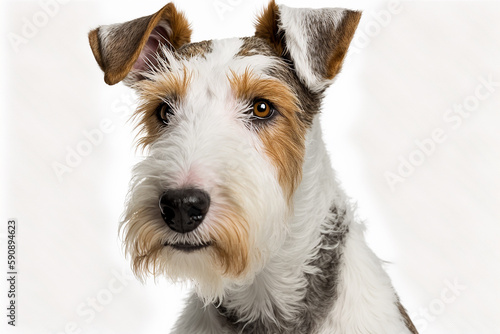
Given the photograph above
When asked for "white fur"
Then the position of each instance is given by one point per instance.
(282, 279)
(366, 301)
(198, 319)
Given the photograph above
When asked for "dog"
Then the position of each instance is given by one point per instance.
(237, 193)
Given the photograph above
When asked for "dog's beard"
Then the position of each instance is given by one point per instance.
(149, 243)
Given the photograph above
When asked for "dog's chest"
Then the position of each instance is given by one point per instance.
(319, 296)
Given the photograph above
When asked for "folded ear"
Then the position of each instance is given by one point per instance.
(316, 40)
(131, 46)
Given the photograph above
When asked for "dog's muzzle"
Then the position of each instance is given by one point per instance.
(184, 209)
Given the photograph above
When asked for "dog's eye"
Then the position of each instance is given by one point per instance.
(164, 112)
(262, 109)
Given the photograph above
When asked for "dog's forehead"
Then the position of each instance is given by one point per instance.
(247, 46)
(232, 53)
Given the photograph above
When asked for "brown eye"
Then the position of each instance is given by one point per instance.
(164, 112)
(262, 109)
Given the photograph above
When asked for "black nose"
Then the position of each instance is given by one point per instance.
(184, 209)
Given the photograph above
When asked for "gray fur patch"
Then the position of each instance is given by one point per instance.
(199, 49)
(256, 46)
(322, 39)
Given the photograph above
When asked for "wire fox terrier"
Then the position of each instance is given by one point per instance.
(237, 193)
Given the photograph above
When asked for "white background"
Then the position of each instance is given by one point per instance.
(406, 70)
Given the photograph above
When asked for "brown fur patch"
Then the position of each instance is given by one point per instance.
(181, 29)
(142, 243)
(121, 48)
(145, 263)
(95, 45)
(343, 35)
(409, 324)
(266, 27)
(168, 86)
(284, 135)
(231, 241)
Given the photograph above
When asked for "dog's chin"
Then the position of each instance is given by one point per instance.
(195, 263)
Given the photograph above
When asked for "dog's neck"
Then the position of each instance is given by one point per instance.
(292, 286)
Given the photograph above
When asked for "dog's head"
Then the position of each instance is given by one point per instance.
(224, 123)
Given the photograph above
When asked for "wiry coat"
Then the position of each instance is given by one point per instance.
(279, 249)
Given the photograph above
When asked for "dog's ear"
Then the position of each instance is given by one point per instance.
(131, 46)
(316, 40)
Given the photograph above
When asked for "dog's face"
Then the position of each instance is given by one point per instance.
(224, 124)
